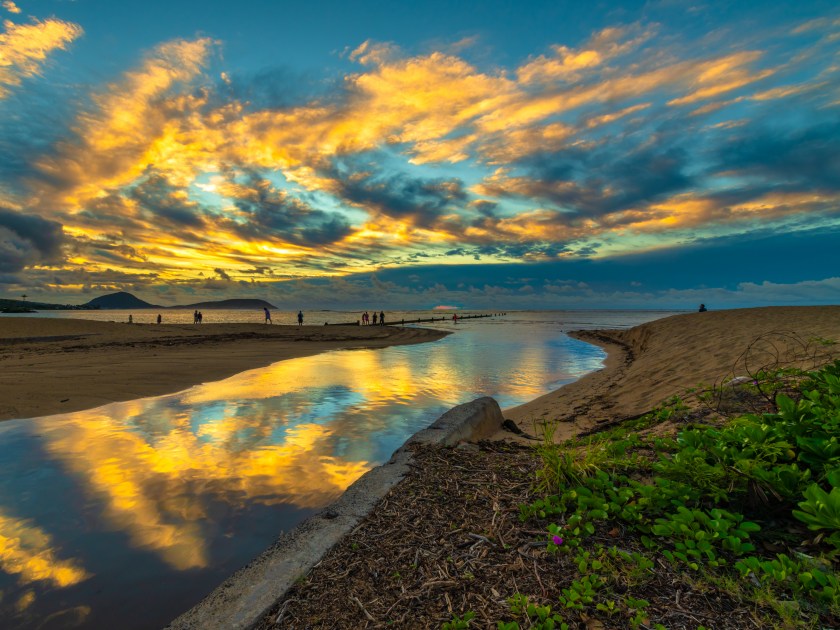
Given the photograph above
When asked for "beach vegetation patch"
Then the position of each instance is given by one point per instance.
(748, 503)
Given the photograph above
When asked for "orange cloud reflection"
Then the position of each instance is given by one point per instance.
(158, 486)
(27, 551)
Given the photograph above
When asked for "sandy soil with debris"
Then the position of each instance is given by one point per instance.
(652, 362)
(52, 366)
(463, 549)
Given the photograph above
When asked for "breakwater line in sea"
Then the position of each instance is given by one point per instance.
(403, 322)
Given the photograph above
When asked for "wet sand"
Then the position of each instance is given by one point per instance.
(50, 366)
(652, 362)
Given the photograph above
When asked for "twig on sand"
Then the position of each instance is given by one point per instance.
(358, 602)
(279, 618)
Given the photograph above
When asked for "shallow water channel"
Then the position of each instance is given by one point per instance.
(128, 514)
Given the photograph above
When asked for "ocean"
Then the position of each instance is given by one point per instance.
(129, 514)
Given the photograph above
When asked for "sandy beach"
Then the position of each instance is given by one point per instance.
(59, 365)
(652, 362)
(50, 366)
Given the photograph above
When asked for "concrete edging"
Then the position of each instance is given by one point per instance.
(245, 597)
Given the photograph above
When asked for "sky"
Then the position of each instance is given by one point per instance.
(373, 154)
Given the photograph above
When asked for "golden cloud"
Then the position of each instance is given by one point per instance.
(132, 126)
(722, 75)
(24, 48)
(568, 64)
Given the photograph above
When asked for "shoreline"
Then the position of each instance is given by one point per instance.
(51, 366)
(652, 362)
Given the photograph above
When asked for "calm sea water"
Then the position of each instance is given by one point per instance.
(128, 514)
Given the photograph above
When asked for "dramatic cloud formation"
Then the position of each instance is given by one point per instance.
(27, 240)
(642, 135)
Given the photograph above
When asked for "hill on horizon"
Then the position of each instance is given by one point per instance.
(119, 300)
(124, 300)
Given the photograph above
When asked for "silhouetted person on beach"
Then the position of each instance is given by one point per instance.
(365, 318)
(455, 317)
(267, 315)
(702, 308)
(160, 319)
(195, 316)
(374, 318)
(381, 318)
(130, 319)
(200, 317)
(300, 318)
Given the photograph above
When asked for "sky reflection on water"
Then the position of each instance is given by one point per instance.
(103, 512)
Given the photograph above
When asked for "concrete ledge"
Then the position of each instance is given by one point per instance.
(244, 598)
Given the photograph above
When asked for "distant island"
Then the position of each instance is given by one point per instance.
(123, 300)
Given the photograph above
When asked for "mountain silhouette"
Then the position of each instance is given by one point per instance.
(124, 300)
(121, 300)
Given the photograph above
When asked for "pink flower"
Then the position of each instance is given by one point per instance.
(557, 540)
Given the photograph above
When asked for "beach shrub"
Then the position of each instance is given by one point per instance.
(704, 499)
(821, 510)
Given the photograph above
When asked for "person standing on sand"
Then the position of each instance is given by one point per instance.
(195, 316)
(200, 317)
(381, 318)
(160, 319)
(267, 315)
(455, 317)
(130, 319)
(702, 308)
(300, 318)
(374, 318)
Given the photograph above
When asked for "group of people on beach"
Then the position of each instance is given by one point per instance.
(380, 318)
(197, 317)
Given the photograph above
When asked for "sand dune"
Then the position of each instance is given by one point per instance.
(652, 362)
(52, 366)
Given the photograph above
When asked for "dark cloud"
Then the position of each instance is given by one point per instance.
(535, 249)
(111, 209)
(27, 240)
(34, 120)
(596, 182)
(119, 253)
(273, 212)
(799, 158)
(722, 262)
(361, 182)
(485, 208)
(154, 193)
(269, 89)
